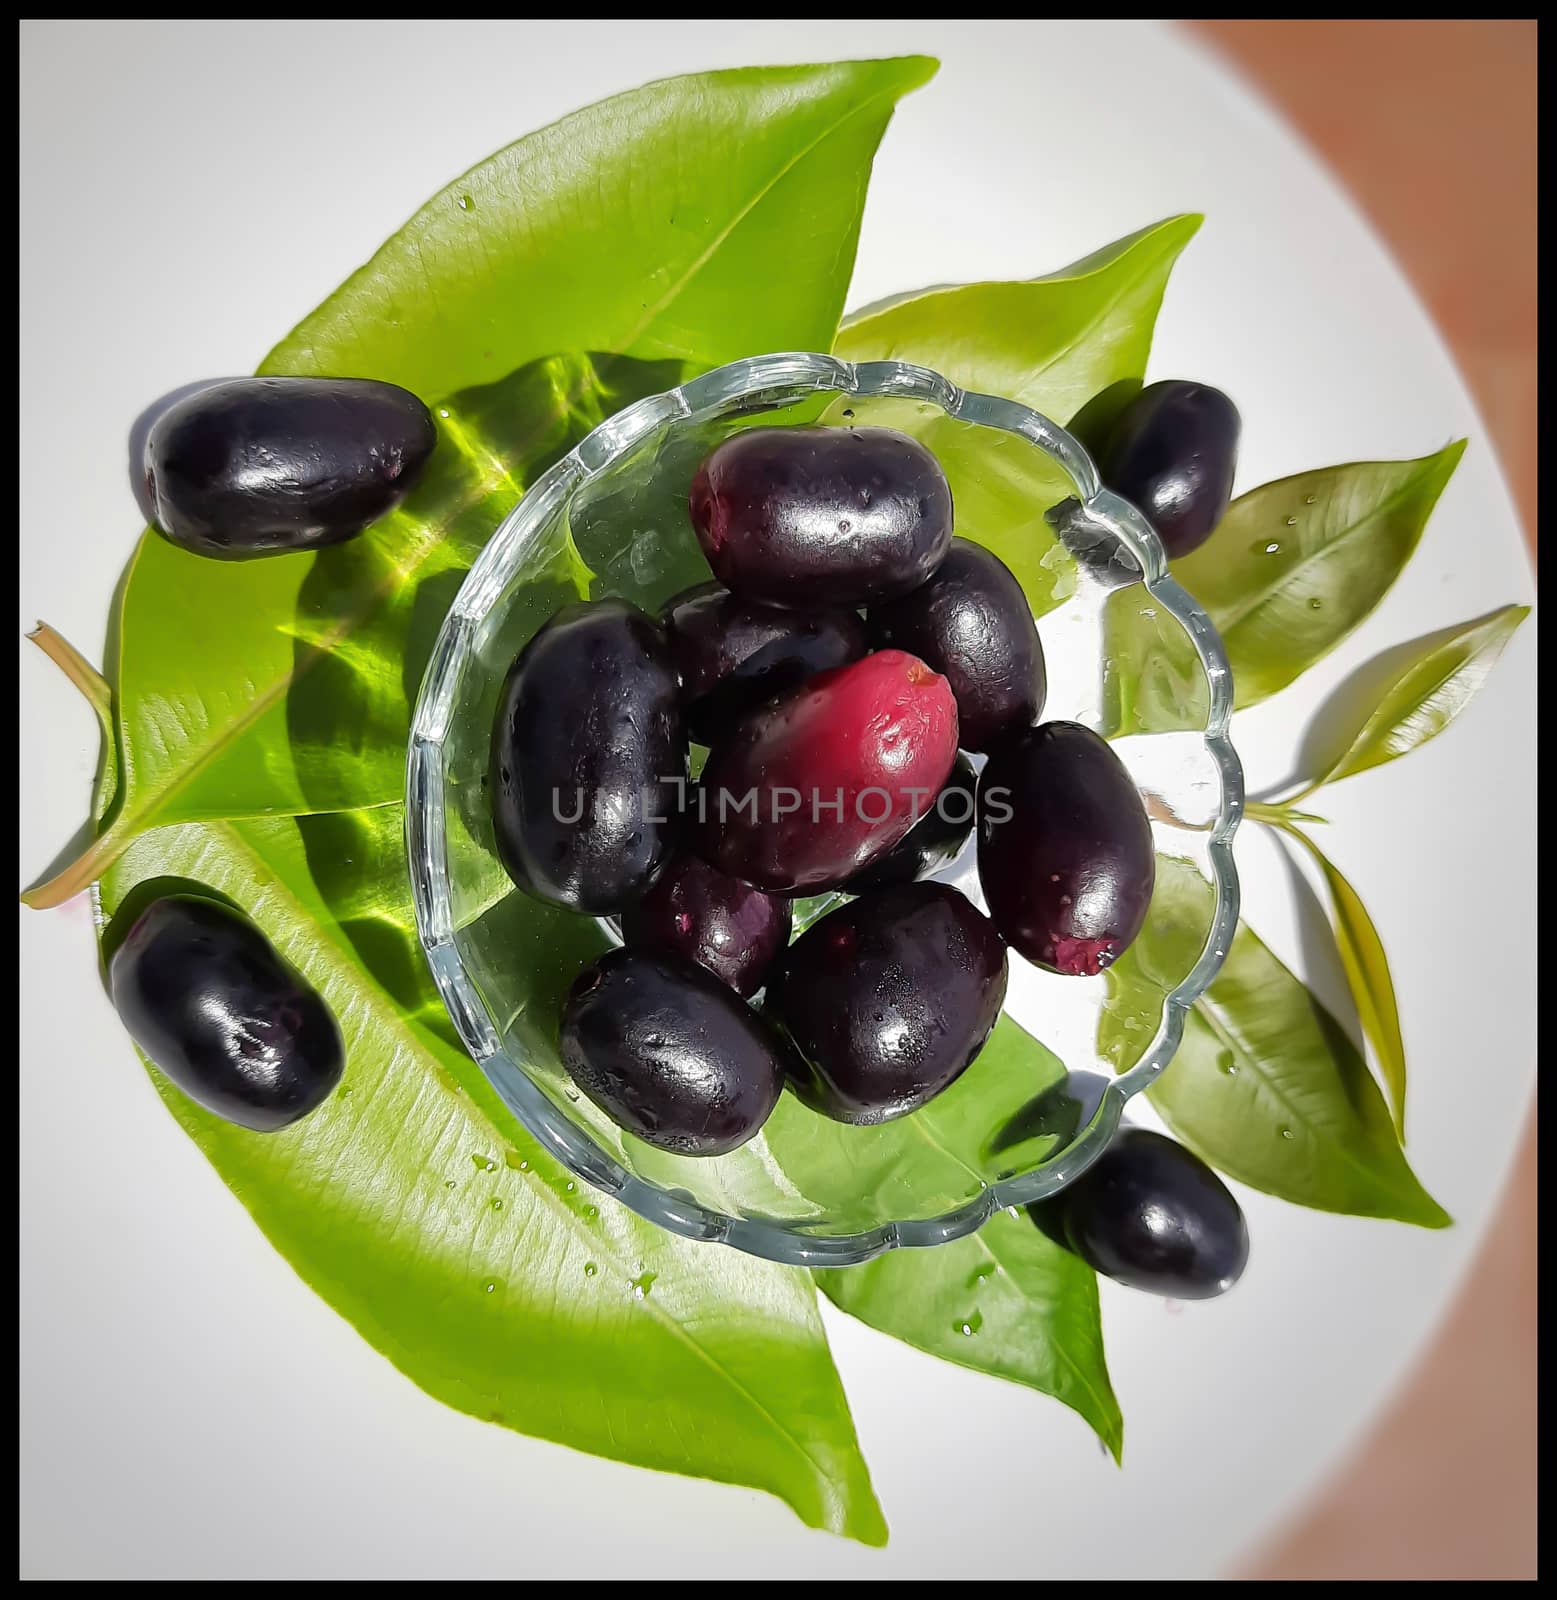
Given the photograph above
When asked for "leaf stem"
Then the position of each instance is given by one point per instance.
(92, 684)
(1280, 815)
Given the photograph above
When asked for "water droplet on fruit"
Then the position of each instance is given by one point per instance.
(641, 1285)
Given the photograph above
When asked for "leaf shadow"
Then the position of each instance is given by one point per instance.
(369, 612)
(1333, 726)
(1321, 970)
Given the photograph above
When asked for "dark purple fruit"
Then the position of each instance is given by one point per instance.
(889, 998)
(267, 466)
(587, 751)
(236, 1026)
(972, 623)
(733, 654)
(696, 912)
(1065, 850)
(934, 841)
(1150, 1214)
(671, 1054)
(1171, 453)
(814, 786)
(821, 516)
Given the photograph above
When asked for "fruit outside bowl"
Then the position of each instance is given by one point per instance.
(611, 518)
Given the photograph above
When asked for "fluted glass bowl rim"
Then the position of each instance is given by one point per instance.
(772, 380)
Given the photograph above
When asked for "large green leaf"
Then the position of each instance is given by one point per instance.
(1267, 1085)
(1429, 683)
(416, 1206)
(696, 219)
(1007, 1300)
(1291, 570)
(1077, 338)
(637, 227)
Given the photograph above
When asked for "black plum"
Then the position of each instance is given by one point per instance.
(821, 516)
(1172, 453)
(670, 1053)
(889, 999)
(934, 841)
(238, 1028)
(587, 751)
(1065, 849)
(697, 912)
(972, 623)
(1150, 1214)
(734, 653)
(266, 466)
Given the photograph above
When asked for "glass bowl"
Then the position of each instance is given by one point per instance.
(1037, 1105)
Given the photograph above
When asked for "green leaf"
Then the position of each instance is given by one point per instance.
(1430, 682)
(1266, 1086)
(1055, 343)
(1367, 975)
(415, 1206)
(696, 219)
(637, 228)
(1291, 570)
(1005, 1301)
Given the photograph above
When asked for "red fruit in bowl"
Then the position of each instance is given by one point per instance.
(819, 783)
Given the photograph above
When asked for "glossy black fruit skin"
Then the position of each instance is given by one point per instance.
(1151, 1215)
(821, 517)
(934, 841)
(267, 466)
(889, 999)
(1172, 453)
(1065, 849)
(972, 623)
(734, 653)
(586, 750)
(697, 913)
(223, 1015)
(670, 1053)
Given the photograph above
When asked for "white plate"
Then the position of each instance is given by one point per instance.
(188, 191)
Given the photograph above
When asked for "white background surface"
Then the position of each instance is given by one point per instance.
(188, 192)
